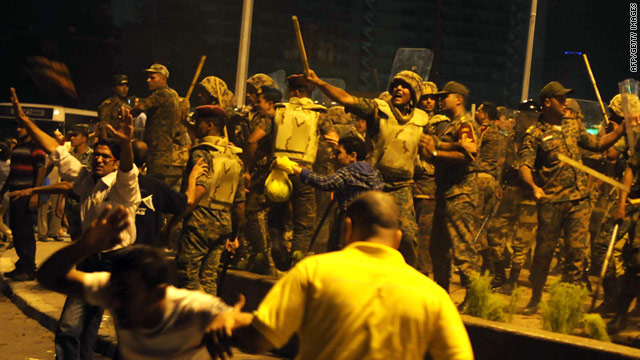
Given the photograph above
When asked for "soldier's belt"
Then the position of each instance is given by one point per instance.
(565, 159)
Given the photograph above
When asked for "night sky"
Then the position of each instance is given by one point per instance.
(97, 39)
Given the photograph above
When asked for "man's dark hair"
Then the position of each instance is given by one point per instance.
(355, 144)
(113, 146)
(491, 110)
(148, 262)
(372, 210)
(140, 153)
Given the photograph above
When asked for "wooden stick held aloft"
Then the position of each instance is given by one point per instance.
(196, 76)
(303, 53)
(595, 87)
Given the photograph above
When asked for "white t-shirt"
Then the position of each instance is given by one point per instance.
(179, 334)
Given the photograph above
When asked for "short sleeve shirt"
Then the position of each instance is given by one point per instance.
(543, 143)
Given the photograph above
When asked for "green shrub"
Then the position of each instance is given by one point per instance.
(511, 307)
(564, 310)
(481, 302)
(595, 327)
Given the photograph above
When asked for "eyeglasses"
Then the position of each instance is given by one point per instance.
(104, 157)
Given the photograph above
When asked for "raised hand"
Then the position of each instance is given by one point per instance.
(125, 129)
(17, 108)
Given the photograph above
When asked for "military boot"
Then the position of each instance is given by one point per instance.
(532, 306)
(499, 275)
(610, 287)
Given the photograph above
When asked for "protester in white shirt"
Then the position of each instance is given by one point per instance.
(153, 319)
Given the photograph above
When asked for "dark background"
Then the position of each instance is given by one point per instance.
(478, 43)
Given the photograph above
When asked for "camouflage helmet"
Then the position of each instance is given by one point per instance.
(429, 88)
(213, 85)
(413, 80)
(616, 105)
(337, 115)
(260, 80)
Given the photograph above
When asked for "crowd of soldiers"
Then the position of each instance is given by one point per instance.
(482, 192)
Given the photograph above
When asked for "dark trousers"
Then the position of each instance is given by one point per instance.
(22, 221)
(77, 331)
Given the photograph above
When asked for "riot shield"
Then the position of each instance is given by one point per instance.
(592, 115)
(631, 109)
(279, 76)
(417, 60)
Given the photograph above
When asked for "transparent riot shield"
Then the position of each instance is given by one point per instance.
(631, 109)
(592, 115)
(417, 60)
(279, 76)
(320, 98)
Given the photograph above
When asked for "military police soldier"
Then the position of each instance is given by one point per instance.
(108, 110)
(560, 189)
(396, 124)
(296, 127)
(518, 212)
(164, 133)
(424, 181)
(215, 221)
(487, 173)
(455, 219)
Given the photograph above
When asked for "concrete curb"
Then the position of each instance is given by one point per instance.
(36, 303)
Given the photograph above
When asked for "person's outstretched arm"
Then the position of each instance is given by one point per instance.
(58, 273)
(334, 93)
(48, 143)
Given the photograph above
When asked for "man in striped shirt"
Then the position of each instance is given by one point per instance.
(27, 170)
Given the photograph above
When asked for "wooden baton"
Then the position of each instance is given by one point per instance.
(196, 76)
(303, 53)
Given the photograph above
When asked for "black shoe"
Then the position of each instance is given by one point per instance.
(12, 273)
(532, 306)
(617, 324)
(23, 277)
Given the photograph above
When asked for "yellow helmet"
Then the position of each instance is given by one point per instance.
(278, 187)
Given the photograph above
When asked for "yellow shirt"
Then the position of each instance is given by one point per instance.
(363, 302)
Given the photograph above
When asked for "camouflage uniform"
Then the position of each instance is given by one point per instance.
(165, 135)
(455, 219)
(301, 206)
(206, 229)
(566, 206)
(424, 196)
(490, 152)
(108, 111)
(517, 215)
(396, 136)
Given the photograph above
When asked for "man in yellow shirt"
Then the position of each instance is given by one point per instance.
(363, 302)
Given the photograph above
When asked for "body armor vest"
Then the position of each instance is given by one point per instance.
(224, 174)
(296, 127)
(397, 144)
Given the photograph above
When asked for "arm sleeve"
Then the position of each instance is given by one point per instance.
(281, 312)
(266, 124)
(68, 166)
(240, 190)
(528, 151)
(333, 182)
(95, 288)
(586, 140)
(127, 187)
(450, 339)
(367, 110)
(152, 101)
